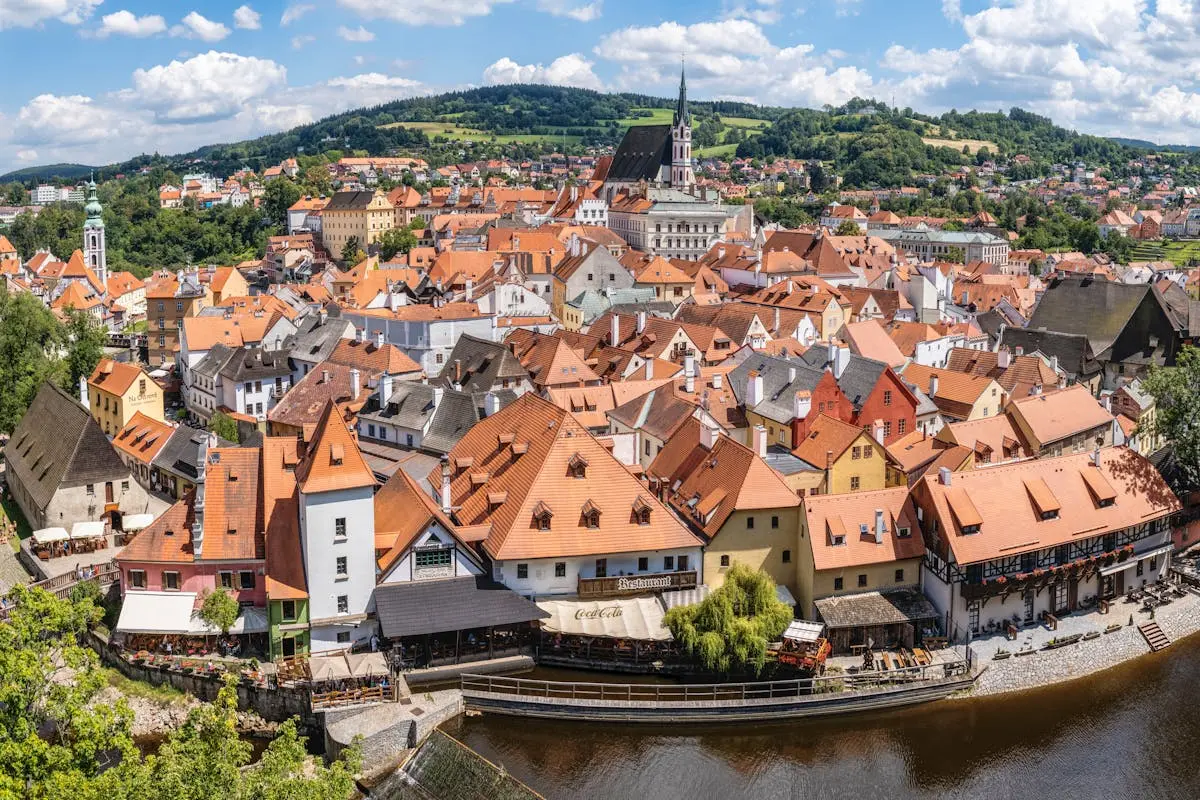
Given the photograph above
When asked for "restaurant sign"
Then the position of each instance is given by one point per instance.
(636, 584)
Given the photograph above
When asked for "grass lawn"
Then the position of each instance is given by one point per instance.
(1180, 253)
(164, 695)
(658, 116)
(458, 133)
(974, 145)
(746, 122)
(10, 510)
(717, 151)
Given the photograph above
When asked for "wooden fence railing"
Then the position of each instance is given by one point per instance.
(61, 585)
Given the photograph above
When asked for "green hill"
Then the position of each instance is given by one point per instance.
(47, 172)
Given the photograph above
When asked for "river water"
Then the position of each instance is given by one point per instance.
(1129, 732)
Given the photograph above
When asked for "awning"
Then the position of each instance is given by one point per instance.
(802, 631)
(136, 522)
(416, 608)
(156, 612)
(638, 618)
(1132, 561)
(249, 620)
(784, 595)
(685, 597)
(49, 535)
(875, 608)
(364, 665)
(328, 668)
(88, 530)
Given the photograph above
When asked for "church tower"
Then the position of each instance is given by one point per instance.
(93, 238)
(682, 175)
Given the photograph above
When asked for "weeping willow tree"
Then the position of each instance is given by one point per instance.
(731, 628)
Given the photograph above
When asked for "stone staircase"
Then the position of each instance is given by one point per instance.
(1154, 636)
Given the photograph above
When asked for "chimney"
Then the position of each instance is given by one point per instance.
(776, 329)
(1035, 389)
(933, 386)
(83, 394)
(324, 376)
(445, 485)
(385, 390)
(841, 361)
(880, 530)
(1054, 363)
(718, 380)
(438, 392)
(198, 522)
(470, 289)
(614, 329)
(831, 352)
(708, 437)
(760, 441)
(689, 373)
(754, 389)
(1020, 350)
(641, 321)
(1003, 358)
(791, 374)
(379, 339)
(879, 431)
(1096, 457)
(650, 368)
(802, 404)
(355, 383)
(358, 335)
(944, 476)
(491, 404)
(966, 297)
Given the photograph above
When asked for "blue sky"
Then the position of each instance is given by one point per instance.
(107, 79)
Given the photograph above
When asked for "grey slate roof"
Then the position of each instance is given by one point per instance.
(644, 150)
(350, 201)
(892, 607)
(410, 406)
(315, 341)
(857, 380)
(1074, 356)
(416, 608)
(57, 445)
(1097, 309)
(213, 361)
(779, 384)
(254, 363)
(184, 452)
(455, 415)
(481, 364)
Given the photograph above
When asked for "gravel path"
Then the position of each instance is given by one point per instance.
(1179, 619)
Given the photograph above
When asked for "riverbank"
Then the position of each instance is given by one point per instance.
(159, 710)
(1180, 619)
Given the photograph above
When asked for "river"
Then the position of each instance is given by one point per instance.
(1129, 732)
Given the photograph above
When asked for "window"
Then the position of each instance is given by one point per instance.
(560, 569)
(226, 579)
(522, 572)
(1153, 563)
(343, 604)
(868, 451)
(137, 578)
(1141, 568)
(887, 429)
(668, 563)
(838, 583)
(343, 637)
(862, 579)
(288, 609)
(774, 522)
(124, 486)
(601, 567)
(725, 561)
(856, 453)
(434, 557)
(643, 564)
(91, 490)
(887, 397)
(339, 528)
(904, 533)
(749, 523)
(899, 576)
(170, 581)
(342, 570)
(682, 563)
(854, 483)
(902, 426)
(787, 556)
(246, 579)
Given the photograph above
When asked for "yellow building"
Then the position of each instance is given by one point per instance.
(731, 498)
(854, 545)
(362, 216)
(116, 391)
(959, 396)
(853, 461)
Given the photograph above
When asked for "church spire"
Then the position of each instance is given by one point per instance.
(681, 108)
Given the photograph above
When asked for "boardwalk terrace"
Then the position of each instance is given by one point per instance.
(1045, 536)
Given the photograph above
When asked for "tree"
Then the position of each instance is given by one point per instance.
(351, 250)
(396, 240)
(955, 255)
(848, 228)
(85, 346)
(224, 426)
(1176, 393)
(731, 628)
(31, 339)
(219, 610)
(280, 195)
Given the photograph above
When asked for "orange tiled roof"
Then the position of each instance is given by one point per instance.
(824, 435)
(333, 461)
(1055, 415)
(285, 564)
(370, 358)
(115, 377)
(233, 521)
(851, 512)
(166, 540)
(402, 511)
(142, 437)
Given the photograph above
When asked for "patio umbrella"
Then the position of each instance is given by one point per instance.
(365, 665)
(328, 668)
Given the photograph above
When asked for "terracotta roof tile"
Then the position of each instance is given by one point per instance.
(142, 438)
(846, 514)
(333, 461)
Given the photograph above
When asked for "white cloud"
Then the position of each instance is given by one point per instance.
(359, 34)
(422, 12)
(952, 10)
(195, 26)
(300, 42)
(847, 8)
(210, 86)
(565, 8)
(568, 70)
(27, 155)
(294, 12)
(247, 18)
(27, 13)
(125, 23)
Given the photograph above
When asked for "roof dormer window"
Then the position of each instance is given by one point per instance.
(641, 511)
(590, 515)
(541, 516)
(577, 466)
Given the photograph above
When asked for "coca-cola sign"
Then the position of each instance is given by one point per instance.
(603, 612)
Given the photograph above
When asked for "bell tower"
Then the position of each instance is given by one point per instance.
(682, 175)
(94, 246)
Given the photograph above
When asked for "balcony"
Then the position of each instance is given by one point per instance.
(619, 585)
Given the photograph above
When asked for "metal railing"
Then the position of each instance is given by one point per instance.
(694, 693)
(61, 585)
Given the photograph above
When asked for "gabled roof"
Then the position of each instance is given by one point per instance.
(402, 512)
(369, 357)
(333, 461)
(58, 444)
(869, 339)
(522, 454)
(285, 579)
(166, 540)
(859, 377)
(827, 435)
(1052, 416)
(781, 377)
(115, 377)
(659, 412)
(142, 438)
(233, 519)
(478, 364)
(1097, 309)
(851, 512)
(957, 392)
(643, 151)
(303, 404)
